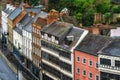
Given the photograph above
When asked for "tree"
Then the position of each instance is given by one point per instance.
(103, 6)
(107, 17)
(88, 18)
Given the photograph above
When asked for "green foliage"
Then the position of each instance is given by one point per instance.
(107, 17)
(116, 9)
(84, 9)
(88, 18)
(103, 6)
(33, 2)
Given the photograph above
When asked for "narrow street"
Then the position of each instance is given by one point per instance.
(5, 72)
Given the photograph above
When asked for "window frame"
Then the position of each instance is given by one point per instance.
(89, 75)
(83, 60)
(77, 70)
(83, 72)
(89, 63)
(78, 60)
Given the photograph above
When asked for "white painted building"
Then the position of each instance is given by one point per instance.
(57, 47)
(109, 61)
(5, 13)
(115, 32)
(17, 37)
(27, 42)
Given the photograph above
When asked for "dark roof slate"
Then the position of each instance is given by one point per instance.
(91, 44)
(112, 49)
(57, 28)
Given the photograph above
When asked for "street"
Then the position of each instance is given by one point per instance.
(5, 72)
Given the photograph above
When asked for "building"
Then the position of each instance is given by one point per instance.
(13, 19)
(4, 20)
(58, 42)
(86, 58)
(36, 37)
(36, 40)
(115, 32)
(109, 61)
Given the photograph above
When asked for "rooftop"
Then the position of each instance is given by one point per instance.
(15, 13)
(63, 30)
(57, 28)
(112, 49)
(91, 44)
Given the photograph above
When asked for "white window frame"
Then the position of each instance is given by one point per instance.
(77, 58)
(77, 70)
(83, 72)
(89, 63)
(83, 60)
(89, 75)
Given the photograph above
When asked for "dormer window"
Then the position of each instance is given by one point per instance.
(70, 38)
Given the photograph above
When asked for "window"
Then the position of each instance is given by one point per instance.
(78, 59)
(90, 75)
(97, 77)
(90, 63)
(84, 61)
(84, 73)
(117, 63)
(105, 61)
(96, 65)
(78, 70)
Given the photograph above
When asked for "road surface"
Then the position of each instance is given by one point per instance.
(5, 72)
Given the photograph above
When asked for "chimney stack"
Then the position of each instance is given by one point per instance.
(53, 15)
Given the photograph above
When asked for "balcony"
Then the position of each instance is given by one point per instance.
(109, 69)
(56, 49)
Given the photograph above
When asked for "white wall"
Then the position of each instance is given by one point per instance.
(4, 18)
(17, 40)
(115, 32)
(27, 44)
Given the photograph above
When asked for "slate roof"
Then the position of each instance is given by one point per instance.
(43, 14)
(15, 13)
(35, 10)
(57, 28)
(92, 43)
(62, 30)
(23, 23)
(112, 49)
(77, 33)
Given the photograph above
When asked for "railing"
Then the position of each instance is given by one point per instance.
(110, 67)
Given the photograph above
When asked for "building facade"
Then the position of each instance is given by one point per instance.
(13, 19)
(4, 19)
(58, 42)
(109, 61)
(86, 59)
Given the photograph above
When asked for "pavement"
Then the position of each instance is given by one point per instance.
(5, 72)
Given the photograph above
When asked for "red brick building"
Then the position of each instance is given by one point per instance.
(86, 59)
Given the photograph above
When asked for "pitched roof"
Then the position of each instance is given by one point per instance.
(91, 44)
(76, 33)
(57, 28)
(15, 13)
(33, 9)
(112, 49)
